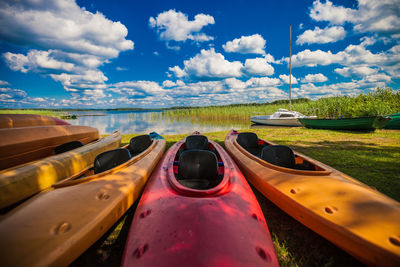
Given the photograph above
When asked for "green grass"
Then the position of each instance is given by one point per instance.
(369, 157)
(31, 111)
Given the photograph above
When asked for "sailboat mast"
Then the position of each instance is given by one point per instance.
(290, 67)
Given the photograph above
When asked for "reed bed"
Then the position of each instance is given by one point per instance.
(229, 112)
(383, 101)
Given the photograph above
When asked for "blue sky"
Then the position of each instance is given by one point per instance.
(102, 54)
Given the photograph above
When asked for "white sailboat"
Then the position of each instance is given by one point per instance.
(283, 117)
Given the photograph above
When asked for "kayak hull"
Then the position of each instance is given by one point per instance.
(56, 226)
(355, 124)
(178, 226)
(25, 144)
(22, 181)
(355, 217)
(28, 120)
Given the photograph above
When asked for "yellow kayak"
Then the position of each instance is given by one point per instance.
(350, 214)
(22, 181)
(24, 144)
(54, 227)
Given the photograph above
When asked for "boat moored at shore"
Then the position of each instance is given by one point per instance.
(354, 124)
(282, 117)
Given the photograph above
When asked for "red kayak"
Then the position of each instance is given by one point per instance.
(198, 210)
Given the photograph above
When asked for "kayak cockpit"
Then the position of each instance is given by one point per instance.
(282, 156)
(198, 165)
(67, 147)
(108, 161)
(198, 169)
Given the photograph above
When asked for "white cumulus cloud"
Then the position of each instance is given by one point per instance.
(177, 71)
(209, 64)
(69, 42)
(356, 71)
(11, 95)
(285, 78)
(168, 83)
(137, 89)
(313, 58)
(175, 26)
(263, 82)
(60, 24)
(314, 78)
(253, 44)
(258, 66)
(329, 12)
(322, 36)
(379, 77)
(89, 79)
(235, 84)
(355, 60)
(381, 16)
(38, 61)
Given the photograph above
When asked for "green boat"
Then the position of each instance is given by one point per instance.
(354, 124)
(395, 122)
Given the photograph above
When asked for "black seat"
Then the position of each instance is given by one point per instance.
(196, 142)
(198, 169)
(67, 147)
(279, 155)
(138, 144)
(110, 159)
(249, 141)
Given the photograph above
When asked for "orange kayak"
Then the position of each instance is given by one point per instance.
(22, 181)
(55, 226)
(27, 120)
(25, 144)
(350, 214)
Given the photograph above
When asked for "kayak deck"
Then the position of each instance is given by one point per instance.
(25, 144)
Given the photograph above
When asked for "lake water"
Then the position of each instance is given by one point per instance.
(128, 122)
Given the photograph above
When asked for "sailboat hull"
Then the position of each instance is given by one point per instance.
(266, 120)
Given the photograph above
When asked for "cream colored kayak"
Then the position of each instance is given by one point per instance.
(22, 181)
(54, 227)
(24, 144)
(28, 120)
